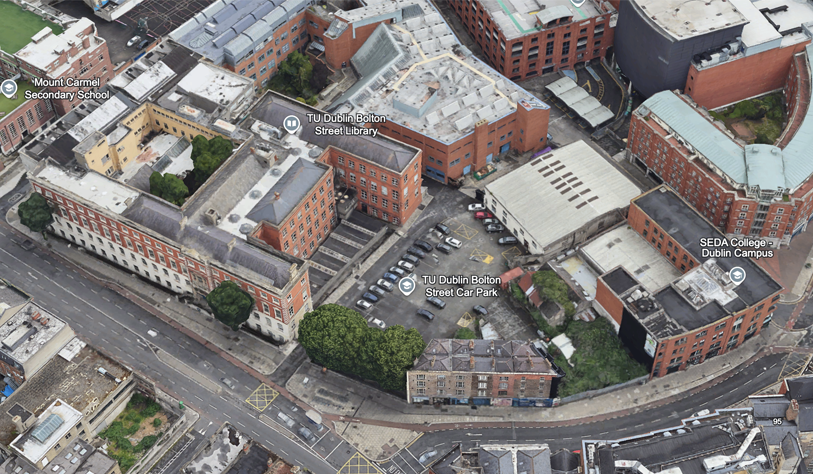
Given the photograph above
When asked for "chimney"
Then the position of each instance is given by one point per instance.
(18, 422)
(432, 364)
(232, 243)
(471, 362)
(276, 195)
(86, 42)
(493, 363)
(252, 150)
(471, 344)
(183, 222)
(793, 410)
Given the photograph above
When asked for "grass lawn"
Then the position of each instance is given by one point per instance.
(7, 105)
(19, 26)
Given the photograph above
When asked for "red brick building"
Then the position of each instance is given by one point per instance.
(525, 44)
(481, 372)
(699, 315)
(761, 191)
(28, 118)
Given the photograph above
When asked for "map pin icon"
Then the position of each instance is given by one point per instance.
(406, 285)
(9, 88)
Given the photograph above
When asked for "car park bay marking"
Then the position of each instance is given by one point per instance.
(512, 252)
(481, 256)
(465, 320)
(262, 397)
(465, 231)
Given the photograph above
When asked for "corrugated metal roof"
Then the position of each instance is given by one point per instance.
(707, 139)
(553, 13)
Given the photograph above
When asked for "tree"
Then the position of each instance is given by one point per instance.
(35, 213)
(205, 166)
(199, 145)
(550, 286)
(396, 351)
(332, 336)
(319, 76)
(220, 147)
(168, 187)
(230, 304)
(465, 333)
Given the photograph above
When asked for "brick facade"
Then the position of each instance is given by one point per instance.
(27, 119)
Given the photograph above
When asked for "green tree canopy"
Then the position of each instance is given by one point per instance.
(550, 286)
(332, 336)
(396, 351)
(230, 304)
(208, 155)
(205, 165)
(168, 187)
(35, 213)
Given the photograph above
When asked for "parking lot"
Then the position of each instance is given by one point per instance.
(479, 255)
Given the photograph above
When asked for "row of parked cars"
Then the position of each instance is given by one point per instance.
(491, 223)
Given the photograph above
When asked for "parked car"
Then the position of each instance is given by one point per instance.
(476, 207)
(25, 244)
(406, 265)
(376, 290)
(423, 245)
(386, 284)
(481, 310)
(379, 323)
(483, 215)
(490, 220)
(426, 314)
(228, 383)
(452, 242)
(508, 240)
(307, 435)
(286, 420)
(444, 248)
(398, 271)
(133, 40)
(391, 277)
(416, 252)
(411, 259)
(435, 301)
(495, 228)
(363, 304)
(370, 297)
(143, 44)
(443, 229)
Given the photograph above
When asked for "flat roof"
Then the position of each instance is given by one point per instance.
(11, 296)
(517, 18)
(687, 18)
(758, 30)
(417, 53)
(17, 26)
(574, 184)
(626, 248)
(786, 15)
(687, 227)
(56, 421)
(23, 335)
(78, 381)
(217, 85)
(45, 52)
(93, 187)
(8, 105)
(685, 449)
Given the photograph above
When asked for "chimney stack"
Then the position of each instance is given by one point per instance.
(276, 195)
(471, 362)
(793, 410)
(432, 364)
(471, 344)
(18, 422)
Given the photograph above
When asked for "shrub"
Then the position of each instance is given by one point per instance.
(156, 422)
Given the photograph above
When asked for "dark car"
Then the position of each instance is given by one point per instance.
(423, 245)
(426, 314)
(391, 277)
(143, 44)
(495, 228)
(411, 259)
(416, 252)
(508, 240)
(370, 297)
(444, 248)
(26, 244)
(490, 220)
(443, 229)
(377, 290)
(481, 310)
(307, 435)
(435, 301)
(398, 271)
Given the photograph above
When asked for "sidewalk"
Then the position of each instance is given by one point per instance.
(258, 354)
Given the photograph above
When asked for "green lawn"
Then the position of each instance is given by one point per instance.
(18, 26)
(7, 105)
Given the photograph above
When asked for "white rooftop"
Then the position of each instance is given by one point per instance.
(92, 187)
(43, 54)
(156, 149)
(517, 18)
(421, 53)
(798, 12)
(21, 341)
(687, 18)
(217, 85)
(147, 81)
(106, 113)
(31, 448)
(626, 248)
(758, 30)
(600, 188)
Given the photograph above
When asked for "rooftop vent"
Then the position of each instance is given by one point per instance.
(246, 228)
(276, 172)
(255, 194)
(295, 151)
(233, 218)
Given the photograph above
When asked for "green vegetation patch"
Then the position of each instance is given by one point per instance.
(8, 105)
(763, 116)
(139, 409)
(18, 26)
